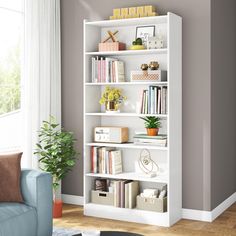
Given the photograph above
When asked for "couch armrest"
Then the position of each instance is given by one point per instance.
(36, 188)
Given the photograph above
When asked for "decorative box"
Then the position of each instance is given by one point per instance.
(104, 198)
(155, 43)
(147, 76)
(111, 46)
(152, 204)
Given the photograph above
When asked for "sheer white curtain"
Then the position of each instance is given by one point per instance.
(42, 71)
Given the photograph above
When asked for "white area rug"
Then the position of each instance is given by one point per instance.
(69, 232)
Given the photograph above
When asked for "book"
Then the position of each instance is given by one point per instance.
(154, 100)
(116, 162)
(133, 192)
(107, 70)
(119, 71)
(145, 136)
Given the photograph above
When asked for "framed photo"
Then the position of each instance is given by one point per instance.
(144, 32)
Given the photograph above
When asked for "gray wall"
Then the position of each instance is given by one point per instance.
(223, 97)
(196, 87)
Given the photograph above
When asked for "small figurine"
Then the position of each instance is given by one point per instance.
(154, 65)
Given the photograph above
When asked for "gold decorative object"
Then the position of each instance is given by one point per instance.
(144, 67)
(133, 12)
(154, 65)
(110, 36)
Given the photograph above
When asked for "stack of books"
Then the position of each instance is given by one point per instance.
(143, 139)
(154, 100)
(107, 70)
(125, 193)
(106, 160)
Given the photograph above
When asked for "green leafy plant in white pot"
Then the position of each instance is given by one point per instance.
(56, 154)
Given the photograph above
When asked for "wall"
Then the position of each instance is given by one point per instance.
(223, 97)
(196, 87)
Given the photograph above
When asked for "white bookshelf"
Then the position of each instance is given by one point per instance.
(170, 157)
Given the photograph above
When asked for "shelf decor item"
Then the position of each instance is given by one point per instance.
(112, 98)
(57, 155)
(152, 124)
(111, 46)
(155, 43)
(146, 164)
(144, 32)
(133, 12)
(137, 44)
(153, 65)
(145, 76)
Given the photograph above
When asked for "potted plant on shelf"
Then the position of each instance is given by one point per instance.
(112, 98)
(57, 156)
(152, 124)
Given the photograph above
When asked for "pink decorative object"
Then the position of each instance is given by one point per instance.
(111, 46)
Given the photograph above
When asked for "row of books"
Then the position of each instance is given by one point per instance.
(143, 139)
(154, 100)
(107, 70)
(125, 193)
(106, 160)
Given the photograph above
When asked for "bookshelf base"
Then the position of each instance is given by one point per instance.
(131, 215)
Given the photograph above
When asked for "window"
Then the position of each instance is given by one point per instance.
(11, 41)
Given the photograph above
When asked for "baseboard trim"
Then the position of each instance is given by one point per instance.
(73, 199)
(209, 216)
(189, 214)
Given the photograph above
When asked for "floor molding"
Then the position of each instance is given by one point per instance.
(189, 214)
(209, 216)
(73, 199)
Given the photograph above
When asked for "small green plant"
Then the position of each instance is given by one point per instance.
(55, 150)
(137, 41)
(151, 122)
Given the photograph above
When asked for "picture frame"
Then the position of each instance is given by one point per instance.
(144, 32)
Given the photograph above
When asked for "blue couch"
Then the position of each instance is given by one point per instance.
(34, 217)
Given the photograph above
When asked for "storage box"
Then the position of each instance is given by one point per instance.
(111, 46)
(104, 198)
(147, 76)
(155, 43)
(152, 204)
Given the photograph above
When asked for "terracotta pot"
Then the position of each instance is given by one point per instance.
(57, 208)
(152, 131)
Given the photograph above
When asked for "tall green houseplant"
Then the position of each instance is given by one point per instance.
(55, 150)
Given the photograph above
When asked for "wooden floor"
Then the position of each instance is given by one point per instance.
(224, 225)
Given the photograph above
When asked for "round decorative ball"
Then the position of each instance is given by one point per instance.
(144, 67)
(153, 65)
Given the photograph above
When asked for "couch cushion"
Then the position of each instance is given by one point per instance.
(17, 219)
(10, 172)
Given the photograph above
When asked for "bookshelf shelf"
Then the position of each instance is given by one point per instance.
(129, 52)
(125, 114)
(128, 83)
(132, 176)
(168, 158)
(125, 214)
(127, 145)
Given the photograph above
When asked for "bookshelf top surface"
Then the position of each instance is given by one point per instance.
(129, 22)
